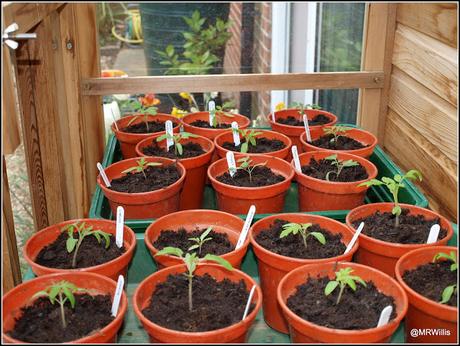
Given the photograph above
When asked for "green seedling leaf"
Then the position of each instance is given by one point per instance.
(447, 293)
(330, 287)
(219, 260)
(70, 244)
(319, 237)
(170, 251)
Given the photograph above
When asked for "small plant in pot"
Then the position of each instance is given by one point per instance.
(193, 152)
(196, 231)
(197, 303)
(284, 242)
(340, 302)
(80, 245)
(393, 229)
(254, 142)
(340, 139)
(146, 187)
(429, 276)
(64, 307)
(329, 181)
(258, 180)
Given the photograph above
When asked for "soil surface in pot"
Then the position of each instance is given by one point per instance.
(205, 124)
(293, 246)
(90, 253)
(216, 304)
(412, 229)
(356, 310)
(156, 177)
(264, 145)
(342, 143)
(260, 176)
(319, 119)
(218, 245)
(320, 169)
(41, 321)
(154, 126)
(189, 149)
(431, 279)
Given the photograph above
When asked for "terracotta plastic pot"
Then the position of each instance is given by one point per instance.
(190, 220)
(128, 140)
(273, 267)
(424, 313)
(294, 132)
(360, 135)
(317, 194)
(143, 205)
(383, 255)
(267, 199)
(228, 137)
(21, 296)
(111, 269)
(192, 193)
(303, 331)
(236, 333)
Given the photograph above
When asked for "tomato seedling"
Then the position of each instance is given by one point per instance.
(145, 112)
(176, 138)
(336, 131)
(342, 279)
(245, 165)
(249, 139)
(142, 164)
(449, 290)
(339, 164)
(302, 107)
(302, 229)
(220, 111)
(199, 241)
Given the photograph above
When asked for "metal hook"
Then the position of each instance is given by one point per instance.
(10, 38)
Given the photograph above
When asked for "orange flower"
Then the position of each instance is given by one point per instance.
(149, 100)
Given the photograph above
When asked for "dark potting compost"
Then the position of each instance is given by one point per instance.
(216, 304)
(218, 245)
(264, 145)
(90, 253)
(293, 246)
(205, 124)
(156, 177)
(190, 149)
(154, 126)
(260, 176)
(319, 169)
(41, 321)
(413, 229)
(431, 279)
(342, 143)
(319, 119)
(356, 310)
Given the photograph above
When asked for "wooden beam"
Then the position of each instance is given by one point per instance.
(379, 27)
(27, 15)
(237, 82)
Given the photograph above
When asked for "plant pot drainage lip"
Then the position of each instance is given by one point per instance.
(371, 175)
(425, 300)
(129, 249)
(333, 118)
(123, 307)
(345, 332)
(260, 248)
(399, 245)
(249, 317)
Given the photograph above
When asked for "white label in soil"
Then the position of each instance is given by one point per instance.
(248, 304)
(120, 228)
(385, 316)
(117, 297)
(355, 237)
(434, 234)
(247, 224)
(231, 163)
(211, 108)
(273, 114)
(103, 175)
(236, 134)
(307, 128)
(169, 131)
(295, 156)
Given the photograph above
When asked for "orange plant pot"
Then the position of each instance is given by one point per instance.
(267, 199)
(143, 205)
(423, 312)
(383, 255)
(128, 140)
(191, 196)
(273, 267)
(303, 331)
(359, 135)
(112, 269)
(22, 295)
(228, 137)
(236, 333)
(317, 194)
(191, 219)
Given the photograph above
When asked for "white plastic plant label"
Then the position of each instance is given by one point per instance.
(385, 316)
(273, 114)
(117, 297)
(434, 234)
(120, 226)
(295, 156)
(103, 175)
(236, 134)
(355, 237)
(248, 304)
(247, 224)
(169, 132)
(307, 128)
(231, 163)
(211, 108)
